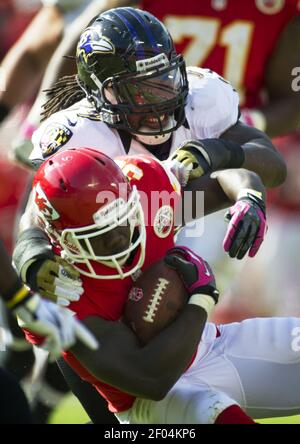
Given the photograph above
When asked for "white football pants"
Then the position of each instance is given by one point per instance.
(254, 364)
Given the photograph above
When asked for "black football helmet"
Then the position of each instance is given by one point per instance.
(129, 69)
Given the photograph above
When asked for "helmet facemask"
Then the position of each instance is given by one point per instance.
(149, 103)
(77, 242)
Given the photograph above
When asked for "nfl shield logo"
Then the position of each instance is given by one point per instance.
(135, 294)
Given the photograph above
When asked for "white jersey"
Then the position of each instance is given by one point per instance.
(212, 108)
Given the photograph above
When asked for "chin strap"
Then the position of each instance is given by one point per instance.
(153, 140)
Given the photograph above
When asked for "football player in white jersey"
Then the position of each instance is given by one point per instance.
(133, 94)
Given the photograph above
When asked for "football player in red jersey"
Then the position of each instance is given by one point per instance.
(195, 379)
(279, 90)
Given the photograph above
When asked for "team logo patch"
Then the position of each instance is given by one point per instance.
(43, 205)
(163, 221)
(91, 42)
(135, 294)
(54, 137)
(270, 6)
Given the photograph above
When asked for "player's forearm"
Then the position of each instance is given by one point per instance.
(168, 354)
(266, 162)
(233, 181)
(217, 194)
(9, 280)
(149, 371)
(260, 155)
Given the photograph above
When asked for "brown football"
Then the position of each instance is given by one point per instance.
(154, 301)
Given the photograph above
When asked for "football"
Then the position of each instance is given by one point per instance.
(154, 301)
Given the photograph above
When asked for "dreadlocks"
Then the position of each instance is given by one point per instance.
(64, 93)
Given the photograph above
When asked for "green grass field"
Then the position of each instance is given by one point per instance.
(70, 411)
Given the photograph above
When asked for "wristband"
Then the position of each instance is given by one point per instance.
(248, 192)
(204, 301)
(254, 196)
(18, 298)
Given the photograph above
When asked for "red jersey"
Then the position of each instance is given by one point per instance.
(160, 195)
(232, 37)
(106, 298)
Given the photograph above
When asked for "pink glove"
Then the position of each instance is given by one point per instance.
(247, 227)
(195, 272)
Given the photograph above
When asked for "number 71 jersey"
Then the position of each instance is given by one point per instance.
(232, 37)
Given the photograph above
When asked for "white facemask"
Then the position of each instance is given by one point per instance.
(131, 212)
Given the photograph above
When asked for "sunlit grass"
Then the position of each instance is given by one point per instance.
(69, 411)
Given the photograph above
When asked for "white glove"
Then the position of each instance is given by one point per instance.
(57, 325)
(67, 288)
(180, 171)
(59, 282)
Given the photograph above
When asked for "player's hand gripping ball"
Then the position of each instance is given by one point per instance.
(154, 301)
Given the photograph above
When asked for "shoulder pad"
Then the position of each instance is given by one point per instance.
(213, 104)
